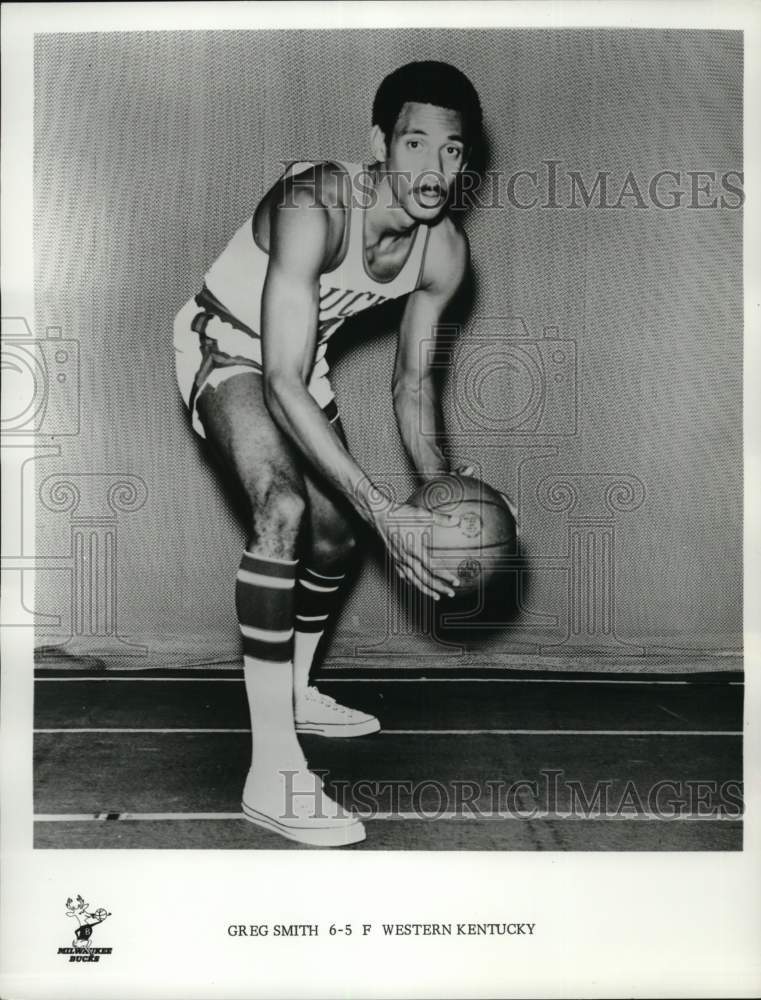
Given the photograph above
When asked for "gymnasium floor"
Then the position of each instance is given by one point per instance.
(509, 760)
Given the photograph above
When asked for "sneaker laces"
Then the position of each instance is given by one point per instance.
(313, 694)
(316, 695)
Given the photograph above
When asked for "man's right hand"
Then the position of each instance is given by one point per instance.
(406, 531)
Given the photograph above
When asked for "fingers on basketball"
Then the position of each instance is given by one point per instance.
(442, 576)
(417, 576)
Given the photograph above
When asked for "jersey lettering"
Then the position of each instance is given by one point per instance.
(337, 303)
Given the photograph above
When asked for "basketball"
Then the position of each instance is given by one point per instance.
(474, 548)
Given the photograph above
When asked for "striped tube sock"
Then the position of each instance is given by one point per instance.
(317, 597)
(264, 601)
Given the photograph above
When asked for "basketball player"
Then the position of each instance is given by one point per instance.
(329, 240)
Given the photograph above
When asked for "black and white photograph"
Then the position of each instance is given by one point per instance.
(377, 505)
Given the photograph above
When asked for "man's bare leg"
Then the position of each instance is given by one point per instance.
(328, 555)
(243, 436)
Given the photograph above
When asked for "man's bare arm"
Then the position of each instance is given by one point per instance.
(416, 399)
(299, 244)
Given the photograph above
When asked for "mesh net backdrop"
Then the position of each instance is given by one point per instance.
(150, 150)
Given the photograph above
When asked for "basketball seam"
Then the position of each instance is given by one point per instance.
(481, 503)
(468, 548)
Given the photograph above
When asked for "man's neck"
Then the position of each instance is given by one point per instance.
(385, 219)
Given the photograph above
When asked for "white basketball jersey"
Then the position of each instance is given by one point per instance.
(237, 276)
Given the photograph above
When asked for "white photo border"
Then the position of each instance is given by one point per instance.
(608, 924)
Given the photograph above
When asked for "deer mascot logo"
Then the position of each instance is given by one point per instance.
(86, 920)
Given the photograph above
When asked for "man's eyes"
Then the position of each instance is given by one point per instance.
(454, 151)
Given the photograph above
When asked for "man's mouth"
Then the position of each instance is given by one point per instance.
(429, 194)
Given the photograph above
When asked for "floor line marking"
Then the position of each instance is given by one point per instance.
(428, 732)
(560, 732)
(140, 729)
(387, 680)
(403, 816)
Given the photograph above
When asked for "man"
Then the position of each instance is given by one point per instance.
(328, 240)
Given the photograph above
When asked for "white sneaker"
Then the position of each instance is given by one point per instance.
(309, 816)
(322, 715)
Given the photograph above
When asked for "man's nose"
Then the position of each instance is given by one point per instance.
(434, 171)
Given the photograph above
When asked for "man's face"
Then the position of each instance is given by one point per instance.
(425, 154)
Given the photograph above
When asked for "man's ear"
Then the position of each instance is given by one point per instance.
(378, 143)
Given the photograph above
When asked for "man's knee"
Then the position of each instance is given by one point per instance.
(276, 503)
(335, 549)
